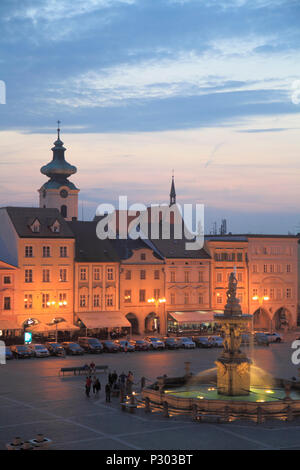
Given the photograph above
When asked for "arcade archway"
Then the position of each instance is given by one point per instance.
(132, 318)
(282, 319)
(152, 323)
(261, 319)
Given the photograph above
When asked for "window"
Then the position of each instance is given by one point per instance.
(200, 299)
(254, 292)
(63, 251)
(110, 274)
(28, 301)
(254, 268)
(63, 299)
(156, 293)
(7, 280)
(143, 256)
(96, 301)
(172, 276)
(63, 275)
(219, 299)
(240, 277)
(288, 268)
(46, 275)
(83, 274)
(128, 275)
(142, 274)
(200, 276)
(288, 293)
(272, 296)
(64, 211)
(142, 295)
(219, 277)
(265, 292)
(239, 257)
(28, 275)
(271, 268)
(186, 298)
(7, 305)
(109, 300)
(127, 296)
(186, 276)
(46, 251)
(82, 300)
(97, 274)
(156, 274)
(45, 300)
(28, 251)
(172, 299)
(55, 227)
(265, 268)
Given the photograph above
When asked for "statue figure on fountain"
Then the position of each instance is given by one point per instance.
(232, 306)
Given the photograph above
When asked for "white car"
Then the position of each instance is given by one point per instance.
(39, 350)
(274, 337)
(216, 341)
(186, 343)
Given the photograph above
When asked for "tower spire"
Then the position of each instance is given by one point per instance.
(172, 192)
(58, 129)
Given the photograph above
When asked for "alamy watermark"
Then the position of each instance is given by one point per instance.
(157, 222)
(2, 353)
(2, 92)
(296, 353)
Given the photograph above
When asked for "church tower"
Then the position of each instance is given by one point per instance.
(58, 192)
(172, 192)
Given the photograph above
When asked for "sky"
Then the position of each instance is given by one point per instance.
(207, 88)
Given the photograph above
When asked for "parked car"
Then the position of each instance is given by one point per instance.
(39, 350)
(261, 339)
(171, 343)
(55, 349)
(8, 353)
(216, 341)
(21, 351)
(125, 345)
(274, 337)
(90, 345)
(140, 345)
(186, 342)
(202, 341)
(155, 343)
(110, 346)
(73, 348)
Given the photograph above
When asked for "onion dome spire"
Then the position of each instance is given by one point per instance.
(58, 170)
(172, 192)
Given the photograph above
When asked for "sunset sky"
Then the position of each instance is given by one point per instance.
(209, 88)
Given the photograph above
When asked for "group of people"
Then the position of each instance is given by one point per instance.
(120, 384)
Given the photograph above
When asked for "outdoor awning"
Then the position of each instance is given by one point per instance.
(9, 324)
(193, 316)
(104, 320)
(47, 328)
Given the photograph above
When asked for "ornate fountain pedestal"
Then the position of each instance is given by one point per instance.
(233, 367)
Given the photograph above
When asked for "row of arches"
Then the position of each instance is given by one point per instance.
(280, 320)
(151, 323)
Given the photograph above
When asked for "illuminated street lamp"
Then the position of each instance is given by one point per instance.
(157, 302)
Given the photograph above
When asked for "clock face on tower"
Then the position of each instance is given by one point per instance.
(64, 193)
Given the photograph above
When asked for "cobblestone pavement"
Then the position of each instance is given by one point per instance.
(34, 399)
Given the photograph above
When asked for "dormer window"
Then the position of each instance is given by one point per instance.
(55, 227)
(36, 226)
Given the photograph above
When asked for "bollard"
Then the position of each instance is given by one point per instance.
(166, 409)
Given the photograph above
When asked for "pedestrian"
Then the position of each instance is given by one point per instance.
(107, 392)
(92, 367)
(110, 379)
(129, 383)
(97, 385)
(94, 384)
(122, 378)
(114, 377)
(88, 384)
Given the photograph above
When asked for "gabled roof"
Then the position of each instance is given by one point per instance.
(126, 247)
(23, 217)
(88, 247)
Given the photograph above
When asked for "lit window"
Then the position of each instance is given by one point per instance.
(28, 251)
(46, 251)
(142, 274)
(127, 296)
(7, 303)
(110, 274)
(28, 275)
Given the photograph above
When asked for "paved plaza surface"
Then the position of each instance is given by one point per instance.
(34, 399)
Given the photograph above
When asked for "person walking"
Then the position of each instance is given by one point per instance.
(107, 392)
(97, 386)
(94, 384)
(88, 384)
(114, 378)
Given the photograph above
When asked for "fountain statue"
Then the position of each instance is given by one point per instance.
(233, 366)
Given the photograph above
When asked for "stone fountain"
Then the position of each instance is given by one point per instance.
(233, 366)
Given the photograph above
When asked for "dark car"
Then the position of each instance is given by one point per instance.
(55, 349)
(171, 343)
(125, 345)
(202, 342)
(141, 345)
(90, 345)
(8, 353)
(110, 346)
(73, 349)
(21, 351)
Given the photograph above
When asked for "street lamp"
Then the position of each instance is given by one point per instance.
(157, 302)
